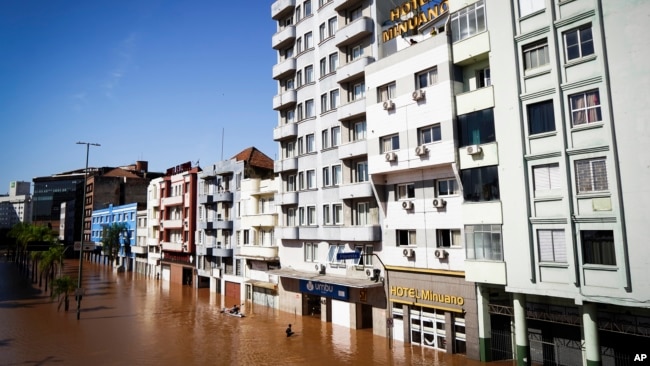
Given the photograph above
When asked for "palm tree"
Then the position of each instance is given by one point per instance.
(111, 240)
(52, 262)
(62, 288)
(24, 233)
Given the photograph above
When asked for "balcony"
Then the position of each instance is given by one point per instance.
(355, 190)
(206, 199)
(172, 247)
(283, 100)
(222, 252)
(172, 224)
(287, 232)
(256, 251)
(352, 109)
(267, 220)
(353, 69)
(353, 149)
(225, 196)
(475, 100)
(282, 8)
(284, 69)
(136, 249)
(354, 32)
(171, 201)
(361, 233)
(345, 4)
(493, 272)
(289, 130)
(284, 38)
(223, 224)
(154, 222)
(152, 242)
(285, 165)
(286, 198)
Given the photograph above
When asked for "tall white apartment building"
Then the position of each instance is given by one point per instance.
(153, 219)
(17, 205)
(327, 204)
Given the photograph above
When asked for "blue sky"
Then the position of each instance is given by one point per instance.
(154, 80)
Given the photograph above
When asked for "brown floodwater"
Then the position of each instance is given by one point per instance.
(129, 319)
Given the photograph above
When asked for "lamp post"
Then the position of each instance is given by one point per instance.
(79, 291)
(389, 306)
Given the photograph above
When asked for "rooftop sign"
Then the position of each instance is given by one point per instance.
(410, 15)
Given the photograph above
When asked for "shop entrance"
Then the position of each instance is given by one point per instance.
(313, 305)
(428, 327)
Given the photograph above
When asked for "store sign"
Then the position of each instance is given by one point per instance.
(410, 15)
(425, 295)
(324, 289)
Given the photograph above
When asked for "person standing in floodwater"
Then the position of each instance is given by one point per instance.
(289, 331)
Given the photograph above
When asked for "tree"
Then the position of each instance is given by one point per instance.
(62, 287)
(52, 262)
(111, 240)
(25, 233)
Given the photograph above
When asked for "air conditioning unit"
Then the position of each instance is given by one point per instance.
(408, 253)
(421, 150)
(441, 253)
(473, 150)
(439, 203)
(407, 205)
(391, 156)
(373, 274)
(388, 105)
(320, 268)
(418, 94)
(185, 247)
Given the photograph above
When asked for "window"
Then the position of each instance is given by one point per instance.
(291, 183)
(299, 78)
(337, 213)
(336, 136)
(359, 131)
(389, 143)
(448, 238)
(355, 14)
(426, 78)
(598, 247)
(404, 191)
(311, 252)
(358, 91)
(311, 179)
(291, 216)
(362, 171)
(307, 6)
(357, 52)
(552, 246)
(288, 84)
(591, 175)
(310, 143)
(301, 216)
(476, 127)
(301, 180)
(334, 249)
(246, 237)
(366, 255)
(311, 215)
(334, 99)
(578, 43)
(290, 149)
(301, 146)
(323, 67)
(299, 45)
(585, 108)
(536, 55)
(309, 108)
(483, 242)
(429, 134)
(321, 32)
(332, 25)
(541, 117)
(288, 53)
(546, 177)
(447, 187)
(323, 103)
(530, 6)
(299, 112)
(480, 184)
(309, 74)
(468, 21)
(325, 139)
(336, 175)
(483, 78)
(334, 61)
(363, 212)
(298, 13)
(405, 237)
(326, 214)
(326, 177)
(386, 92)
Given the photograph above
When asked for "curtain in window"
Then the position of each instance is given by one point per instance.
(598, 247)
(541, 117)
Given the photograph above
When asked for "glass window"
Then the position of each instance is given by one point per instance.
(483, 242)
(363, 212)
(310, 252)
(321, 32)
(448, 238)
(405, 191)
(530, 6)
(332, 25)
(326, 177)
(323, 103)
(334, 61)
(323, 67)
(291, 183)
(325, 139)
(337, 213)
(359, 91)
(480, 184)
(386, 92)
(578, 43)
(336, 175)
(362, 171)
(541, 117)
(598, 247)
(426, 78)
(307, 6)
(309, 108)
(483, 78)
(468, 21)
(359, 131)
(326, 214)
(309, 40)
(311, 179)
(334, 249)
(334, 99)
(389, 143)
(406, 237)
(310, 143)
(536, 55)
(336, 136)
(429, 134)
(552, 246)
(357, 52)
(447, 187)
(591, 175)
(311, 215)
(476, 127)
(291, 217)
(546, 177)
(585, 108)
(309, 74)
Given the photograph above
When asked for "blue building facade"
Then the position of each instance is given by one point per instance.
(123, 214)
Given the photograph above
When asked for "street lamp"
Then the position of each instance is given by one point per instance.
(79, 291)
(389, 306)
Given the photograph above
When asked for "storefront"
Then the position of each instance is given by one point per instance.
(434, 309)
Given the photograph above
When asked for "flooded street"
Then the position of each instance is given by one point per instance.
(129, 319)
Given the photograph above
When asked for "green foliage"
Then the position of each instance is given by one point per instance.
(111, 239)
(62, 287)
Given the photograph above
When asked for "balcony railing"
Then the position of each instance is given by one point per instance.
(353, 69)
(353, 149)
(352, 109)
(284, 100)
(284, 38)
(282, 8)
(355, 190)
(285, 165)
(284, 68)
(257, 251)
(289, 130)
(354, 32)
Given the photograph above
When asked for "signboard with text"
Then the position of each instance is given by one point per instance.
(324, 289)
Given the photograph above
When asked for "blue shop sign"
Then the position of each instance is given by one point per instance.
(324, 289)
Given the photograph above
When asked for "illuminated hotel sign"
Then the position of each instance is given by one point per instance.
(419, 295)
(403, 25)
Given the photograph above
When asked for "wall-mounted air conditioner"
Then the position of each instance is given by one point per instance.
(407, 205)
(473, 150)
(441, 253)
(408, 253)
(418, 94)
(391, 156)
(388, 105)
(421, 150)
(439, 203)
(320, 268)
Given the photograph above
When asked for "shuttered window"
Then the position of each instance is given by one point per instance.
(552, 245)
(547, 177)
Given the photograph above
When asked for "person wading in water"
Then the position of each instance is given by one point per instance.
(289, 331)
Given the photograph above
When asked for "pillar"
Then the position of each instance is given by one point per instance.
(484, 324)
(590, 329)
(521, 329)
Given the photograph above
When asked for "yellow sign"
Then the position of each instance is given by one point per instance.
(426, 295)
(417, 19)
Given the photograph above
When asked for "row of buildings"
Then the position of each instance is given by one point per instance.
(468, 176)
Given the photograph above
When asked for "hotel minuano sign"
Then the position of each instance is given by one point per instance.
(408, 16)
